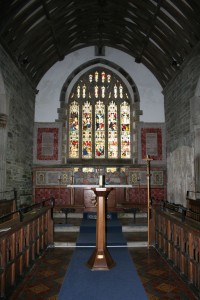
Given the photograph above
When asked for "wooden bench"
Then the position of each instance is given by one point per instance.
(21, 243)
(7, 207)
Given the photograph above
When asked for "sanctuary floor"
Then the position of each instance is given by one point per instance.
(159, 280)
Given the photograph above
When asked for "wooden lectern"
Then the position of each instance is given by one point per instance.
(101, 258)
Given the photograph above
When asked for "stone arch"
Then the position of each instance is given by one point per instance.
(126, 78)
(99, 61)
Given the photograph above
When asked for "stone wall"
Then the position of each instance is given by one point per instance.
(180, 130)
(20, 97)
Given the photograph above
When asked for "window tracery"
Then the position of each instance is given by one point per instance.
(99, 117)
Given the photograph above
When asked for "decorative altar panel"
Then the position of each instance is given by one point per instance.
(138, 179)
(47, 143)
(52, 182)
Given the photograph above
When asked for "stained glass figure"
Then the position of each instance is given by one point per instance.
(87, 130)
(96, 89)
(99, 130)
(115, 91)
(103, 76)
(78, 91)
(84, 91)
(112, 131)
(74, 130)
(96, 76)
(125, 129)
(103, 91)
(90, 78)
(120, 91)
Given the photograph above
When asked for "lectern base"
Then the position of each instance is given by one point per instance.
(100, 260)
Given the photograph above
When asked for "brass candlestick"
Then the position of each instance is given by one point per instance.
(148, 159)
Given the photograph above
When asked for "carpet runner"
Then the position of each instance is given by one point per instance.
(121, 282)
(87, 235)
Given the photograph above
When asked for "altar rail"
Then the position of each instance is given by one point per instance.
(190, 213)
(21, 243)
(178, 240)
(8, 209)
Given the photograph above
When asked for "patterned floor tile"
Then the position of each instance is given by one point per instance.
(166, 287)
(158, 278)
(39, 288)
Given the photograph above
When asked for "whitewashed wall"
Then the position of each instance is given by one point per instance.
(151, 97)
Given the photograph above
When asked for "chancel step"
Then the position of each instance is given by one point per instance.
(66, 230)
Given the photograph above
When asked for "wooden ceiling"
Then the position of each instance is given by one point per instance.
(158, 33)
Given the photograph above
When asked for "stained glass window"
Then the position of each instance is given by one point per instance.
(74, 130)
(99, 130)
(99, 117)
(87, 130)
(125, 129)
(112, 131)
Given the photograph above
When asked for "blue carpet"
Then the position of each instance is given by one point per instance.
(93, 215)
(120, 283)
(90, 226)
(112, 239)
(114, 235)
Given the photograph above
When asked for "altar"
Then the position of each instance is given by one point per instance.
(57, 182)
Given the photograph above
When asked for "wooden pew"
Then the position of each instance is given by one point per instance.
(21, 243)
(177, 238)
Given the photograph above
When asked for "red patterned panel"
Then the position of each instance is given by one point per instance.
(139, 196)
(62, 196)
(40, 155)
(144, 132)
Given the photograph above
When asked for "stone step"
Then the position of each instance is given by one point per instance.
(65, 228)
(80, 215)
(70, 215)
(68, 239)
(136, 228)
(134, 244)
(66, 231)
(126, 228)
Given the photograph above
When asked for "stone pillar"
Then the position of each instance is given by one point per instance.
(195, 128)
(3, 142)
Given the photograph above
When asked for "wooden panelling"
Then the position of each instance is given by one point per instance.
(179, 242)
(21, 243)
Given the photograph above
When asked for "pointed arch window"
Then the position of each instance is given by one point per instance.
(99, 124)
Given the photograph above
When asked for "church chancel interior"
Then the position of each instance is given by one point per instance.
(99, 150)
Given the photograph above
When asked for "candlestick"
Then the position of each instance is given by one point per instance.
(148, 159)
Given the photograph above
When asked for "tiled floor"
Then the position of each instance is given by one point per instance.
(159, 280)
